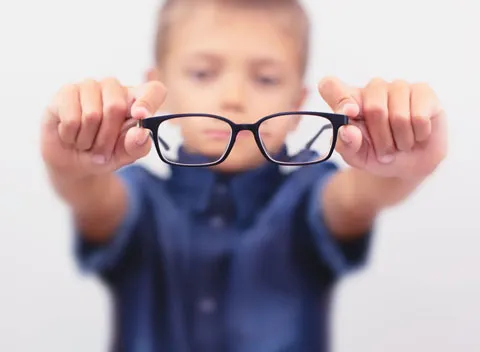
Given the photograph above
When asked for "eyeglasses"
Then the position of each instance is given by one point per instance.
(287, 138)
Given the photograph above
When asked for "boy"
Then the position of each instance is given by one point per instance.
(237, 256)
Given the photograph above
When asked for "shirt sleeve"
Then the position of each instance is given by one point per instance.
(93, 258)
(341, 257)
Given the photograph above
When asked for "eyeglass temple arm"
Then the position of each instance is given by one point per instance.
(164, 144)
(323, 129)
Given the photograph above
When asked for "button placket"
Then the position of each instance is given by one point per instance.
(221, 189)
(217, 222)
(220, 204)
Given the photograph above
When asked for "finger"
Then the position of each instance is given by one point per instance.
(149, 97)
(399, 115)
(91, 102)
(352, 146)
(70, 114)
(423, 105)
(133, 144)
(375, 111)
(341, 98)
(115, 109)
(350, 139)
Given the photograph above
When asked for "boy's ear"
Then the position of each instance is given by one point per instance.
(153, 74)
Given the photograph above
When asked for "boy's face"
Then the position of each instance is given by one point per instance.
(237, 63)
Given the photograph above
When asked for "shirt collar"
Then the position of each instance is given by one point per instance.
(250, 190)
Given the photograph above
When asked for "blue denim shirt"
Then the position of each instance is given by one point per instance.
(206, 262)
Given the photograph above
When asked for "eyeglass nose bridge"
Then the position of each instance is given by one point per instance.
(252, 127)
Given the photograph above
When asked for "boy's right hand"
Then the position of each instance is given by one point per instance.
(85, 131)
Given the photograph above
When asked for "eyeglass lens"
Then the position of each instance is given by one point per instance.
(308, 138)
(194, 140)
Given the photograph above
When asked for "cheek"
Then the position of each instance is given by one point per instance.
(279, 127)
(183, 102)
(184, 132)
(185, 97)
(266, 103)
(274, 133)
(189, 130)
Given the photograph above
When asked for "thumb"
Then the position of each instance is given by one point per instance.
(341, 98)
(147, 99)
(351, 145)
(133, 144)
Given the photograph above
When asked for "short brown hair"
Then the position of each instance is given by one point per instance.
(293, 13)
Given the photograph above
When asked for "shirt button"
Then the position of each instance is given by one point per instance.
(217, 222)
(207, 305)
(221, 189)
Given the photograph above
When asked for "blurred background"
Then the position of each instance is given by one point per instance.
(421, 290)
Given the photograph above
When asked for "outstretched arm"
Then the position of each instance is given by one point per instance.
(397, 138)
(83, 144)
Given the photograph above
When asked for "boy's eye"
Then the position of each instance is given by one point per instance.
(267, 80)
(201, 74)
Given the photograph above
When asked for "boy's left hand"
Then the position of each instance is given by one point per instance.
(397, 129)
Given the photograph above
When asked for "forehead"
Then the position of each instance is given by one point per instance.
(236, 32)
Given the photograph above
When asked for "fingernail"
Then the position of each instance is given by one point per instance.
(99, 159)
(386, 159)
(140, 112)
(142, 138)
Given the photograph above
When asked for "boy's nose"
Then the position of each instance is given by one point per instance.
(233, 95)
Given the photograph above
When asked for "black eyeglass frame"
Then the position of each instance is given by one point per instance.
(152, 124)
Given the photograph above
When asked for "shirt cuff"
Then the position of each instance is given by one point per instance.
(340, 256)
(103, 257)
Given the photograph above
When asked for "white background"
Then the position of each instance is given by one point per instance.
(421, 291)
